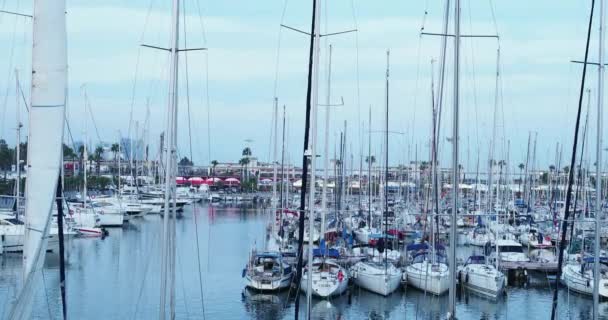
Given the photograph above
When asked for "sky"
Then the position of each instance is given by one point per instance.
(228, 90)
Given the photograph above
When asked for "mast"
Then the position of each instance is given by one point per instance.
(493, 141)
(565, 222)
(281, 205)
(309, 108)
(18, 150)
(168, 234)
(452, 256)
(326, 152)
(274, 164)
(598, 168)
(369, 170)
(85, 153)
(386, 167)
(313, 160)
(46, 121)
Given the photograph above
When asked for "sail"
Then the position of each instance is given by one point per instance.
(46, 119)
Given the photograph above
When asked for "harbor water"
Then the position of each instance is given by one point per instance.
(118, 277)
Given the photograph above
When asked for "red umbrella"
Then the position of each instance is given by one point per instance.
(196, 181)
(232, 181)
(180, 180)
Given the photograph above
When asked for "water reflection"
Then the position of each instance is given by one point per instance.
(118, 277)
(262, 305)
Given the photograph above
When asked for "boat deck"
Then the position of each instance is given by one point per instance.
(535, 266)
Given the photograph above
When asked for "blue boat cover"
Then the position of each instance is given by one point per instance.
(323, 252)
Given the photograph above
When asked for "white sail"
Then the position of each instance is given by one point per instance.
(46, 119)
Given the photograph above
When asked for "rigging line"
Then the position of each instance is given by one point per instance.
(277, 60)
(356, 27)
(143, 280)
(10, 72)
(207, 100)
(564, 227)
(198, 251)
(179, 264)
(88, 102)
(415, 102)
(276, 72)
(493, 10)
(134, 87)
(46, 294)
(475, 101)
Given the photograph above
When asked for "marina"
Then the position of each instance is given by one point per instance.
(132, 294)
(364, 186)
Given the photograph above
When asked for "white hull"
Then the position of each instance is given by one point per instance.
(482, 279)
(376, 279)
(428, 277)
(110, 220)
(582, 283)
(331, 281)
(268, 284)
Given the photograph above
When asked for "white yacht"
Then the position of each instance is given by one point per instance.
(267, 272)
(579, 277)
(328, 278)
(427, 272)
(482, 278)
(382, 278)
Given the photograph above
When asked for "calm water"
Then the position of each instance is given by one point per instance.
(118, 278)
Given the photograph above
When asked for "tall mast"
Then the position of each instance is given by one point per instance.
(369, 170)
(493, 141)
(18, 150)
(274, 163)
(85, 153)
(313, 156)
(386, 166)
(326, 152)
(281, 205)
(452, 255)
(598, 160)
(310, 108)
(168, 234)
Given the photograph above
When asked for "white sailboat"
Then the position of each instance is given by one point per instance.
(267, 271)
(46, 121)
(579, 277)
(482, 278)
(382, 278)
(428, 271)
(328, 278)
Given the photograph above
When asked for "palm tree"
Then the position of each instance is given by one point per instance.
(521, 167)
(244, 162)
(81, 157)
(214, 163)
(247, 152)
(98, 157)
(115, 148)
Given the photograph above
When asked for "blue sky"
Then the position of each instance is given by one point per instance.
(249, 54)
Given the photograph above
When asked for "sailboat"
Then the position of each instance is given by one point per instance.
(381, 277)
(46, 121)
(329, 278)
(579, 277)
(428, 270)
(267, 271)
(482, 278)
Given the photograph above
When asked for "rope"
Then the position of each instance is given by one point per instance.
(10, 69)
(207, 100)
(46, 294)
(198, 251)
(134, 87)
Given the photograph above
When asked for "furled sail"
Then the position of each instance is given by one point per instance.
(46, 120)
